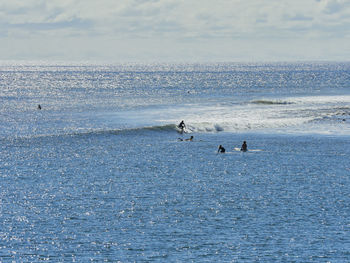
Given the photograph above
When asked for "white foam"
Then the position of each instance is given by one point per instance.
(320, 99)
(300, 115)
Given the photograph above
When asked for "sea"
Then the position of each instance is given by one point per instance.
(102, 173)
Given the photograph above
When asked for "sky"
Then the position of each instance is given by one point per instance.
(175, 30)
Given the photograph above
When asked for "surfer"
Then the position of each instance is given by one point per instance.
(188, 139)
(244, 147)
(181, 126)
(39, 107)
(221, 149)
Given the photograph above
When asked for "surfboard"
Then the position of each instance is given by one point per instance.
(250, 150)
(179, 130)
(185, 130)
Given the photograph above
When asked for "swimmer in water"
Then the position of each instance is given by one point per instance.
(221, 149)
(244, 147)
(39, 107)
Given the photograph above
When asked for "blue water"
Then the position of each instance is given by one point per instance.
(99, 174)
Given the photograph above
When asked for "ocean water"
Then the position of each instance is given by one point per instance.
(100, 173)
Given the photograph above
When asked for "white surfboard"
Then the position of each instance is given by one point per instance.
(249, 150)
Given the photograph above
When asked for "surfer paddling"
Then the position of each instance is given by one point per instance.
(187, 140)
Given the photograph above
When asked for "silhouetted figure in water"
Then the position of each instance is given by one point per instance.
(221, 149)
(39, 107)
(188, 139)
(244, 147)
(182, 126)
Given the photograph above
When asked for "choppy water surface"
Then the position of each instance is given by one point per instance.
(99, 173)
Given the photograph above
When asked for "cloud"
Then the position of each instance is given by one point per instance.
(151, 26)
(170, 18)
(47, 26)
(334, 6)
(300, 17)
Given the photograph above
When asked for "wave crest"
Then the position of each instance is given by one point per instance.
(271, 102)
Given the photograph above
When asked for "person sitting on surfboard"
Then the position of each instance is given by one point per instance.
(221, 149)
(182, 126)
(244, 147)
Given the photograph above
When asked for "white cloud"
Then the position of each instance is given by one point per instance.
(335, 6)
(173, 28)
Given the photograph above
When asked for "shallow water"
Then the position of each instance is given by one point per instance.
(118, 185)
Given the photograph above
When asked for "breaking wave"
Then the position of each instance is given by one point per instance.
(271, 102)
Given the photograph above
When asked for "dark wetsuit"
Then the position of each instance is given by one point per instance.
(182, 126)
(244, 147)
(221, 149)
